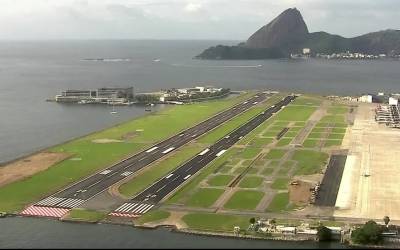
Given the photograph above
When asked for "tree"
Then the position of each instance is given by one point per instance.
(324, 233)
(370, 233)
(386, 219)
(252, 220)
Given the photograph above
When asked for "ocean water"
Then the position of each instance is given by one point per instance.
(43, 233)
(31, 72)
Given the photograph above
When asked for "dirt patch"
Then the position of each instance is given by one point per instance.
(175, 219)
(106, 140)
(300, 193)
(29, 166)
(130, 135)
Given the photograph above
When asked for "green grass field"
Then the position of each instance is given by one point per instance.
(244, 200)
(333, 119)
(338, 109)
(280, 183)
(204, 197)
(274, 154)
(279, 203)
(154, 215)
(220, 180)
(142, 132)
(314, 135)
(251, 182)
(295, 113)
(268, 171)
(284, 142)
(303, 100)
(329, 143)
(78, 214)
(309, 162)
(250, 152)
(336, 136)
(260, 142)
(215, 222)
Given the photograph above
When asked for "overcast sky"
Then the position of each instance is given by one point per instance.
(185, 19)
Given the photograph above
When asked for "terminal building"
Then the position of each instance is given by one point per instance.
(101, 95)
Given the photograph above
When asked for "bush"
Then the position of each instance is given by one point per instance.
(370, 233)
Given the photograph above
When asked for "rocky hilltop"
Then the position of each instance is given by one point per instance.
(287, 30)
(288, 33)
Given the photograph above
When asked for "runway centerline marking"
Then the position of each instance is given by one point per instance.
(168, 150)
(152, 149)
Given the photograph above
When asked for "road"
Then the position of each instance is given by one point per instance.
(78, 193)
(162, 188)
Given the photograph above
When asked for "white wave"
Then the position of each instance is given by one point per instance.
(217, 66)
(108, 59)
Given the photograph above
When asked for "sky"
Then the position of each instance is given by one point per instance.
(185, 19)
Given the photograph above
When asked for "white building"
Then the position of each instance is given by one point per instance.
(366, 98)
(393, 101)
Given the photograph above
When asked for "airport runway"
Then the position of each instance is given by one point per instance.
(146, 200)
(78, 193)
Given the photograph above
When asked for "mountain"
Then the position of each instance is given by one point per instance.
(288, 33)
(288, 30)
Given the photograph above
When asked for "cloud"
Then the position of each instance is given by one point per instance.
(189, 19)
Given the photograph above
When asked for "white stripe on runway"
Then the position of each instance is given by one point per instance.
(126, 173)
(122, 207)
(107, 171)
(168, 150)
(50, 201)
(70, 203)
(221, 152)
(187, 176)
(143, 208)
(138, 208)
(145, 211)
(152, 149)
(130, 207)
(204, 151)
(169, 176)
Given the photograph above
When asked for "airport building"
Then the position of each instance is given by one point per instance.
(121, 96)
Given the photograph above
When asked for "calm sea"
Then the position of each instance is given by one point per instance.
(31, 72)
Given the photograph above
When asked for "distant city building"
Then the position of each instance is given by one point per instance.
(393, 101)
(306, 51)
(366, 98)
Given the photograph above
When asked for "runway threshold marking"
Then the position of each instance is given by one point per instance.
(168, 150)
